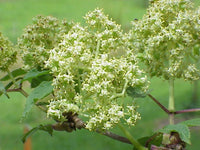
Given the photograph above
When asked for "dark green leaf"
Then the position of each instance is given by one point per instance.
(36, 81)
(47, 128)
(181, 129)
(42, 103)
(155, 139)
(3, 90)
(41, 91)
(192, 122)
(135, 92)
(28, 134)
(15, 73)
(196, 49)
(34, 74)
(11, 83)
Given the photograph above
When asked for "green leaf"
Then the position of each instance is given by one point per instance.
(36, 81)
(47, 128)
(3, 90)
(192, 122)
(34, 74)
(196, 49)
(28, 134)
(135, 92)
(18, 82)
(15, 73)
(181, 129)
(41, 91)
(155, 139)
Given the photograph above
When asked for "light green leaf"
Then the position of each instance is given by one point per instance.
(15, 73)
(192, 122)
(41, 91)
(181, 129)
(34, 73)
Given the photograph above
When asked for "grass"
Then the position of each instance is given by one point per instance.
(15, 15)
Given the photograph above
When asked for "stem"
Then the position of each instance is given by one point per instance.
(97, 49)
(120, 94)
(79, 82)
(173, 112)
(23, 92)
(132, 139)
(18, 90)
(115, 136)
(12, 78)
(187, 110)
(171, 106)
(159, 104)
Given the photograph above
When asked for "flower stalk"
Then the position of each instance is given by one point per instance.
(171, 106)
(132, 139)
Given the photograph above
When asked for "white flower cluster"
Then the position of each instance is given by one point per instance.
(37, 40)
(57, 108)
(7, 53)
(168, 38)
(93, 66)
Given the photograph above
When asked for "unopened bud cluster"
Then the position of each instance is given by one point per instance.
(39, 38)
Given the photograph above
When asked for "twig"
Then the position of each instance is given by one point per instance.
(134, 142)
(24, 92)
(70, 126)
(170, 112)
(18, 90)
(187, 110)
(114, 136)
(159, 104)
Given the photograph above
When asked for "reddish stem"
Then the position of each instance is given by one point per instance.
(187, 110)
(115, 136)
(159, 104)
(173, 113)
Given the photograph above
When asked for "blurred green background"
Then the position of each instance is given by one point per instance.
(16, 14)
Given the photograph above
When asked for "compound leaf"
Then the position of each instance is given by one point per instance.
(181, 129)
(41, 91)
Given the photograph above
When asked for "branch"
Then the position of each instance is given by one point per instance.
(18, 90)
(114, 136)
(187, 110)
(74, 122)
(159, 104)
(170, 112)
